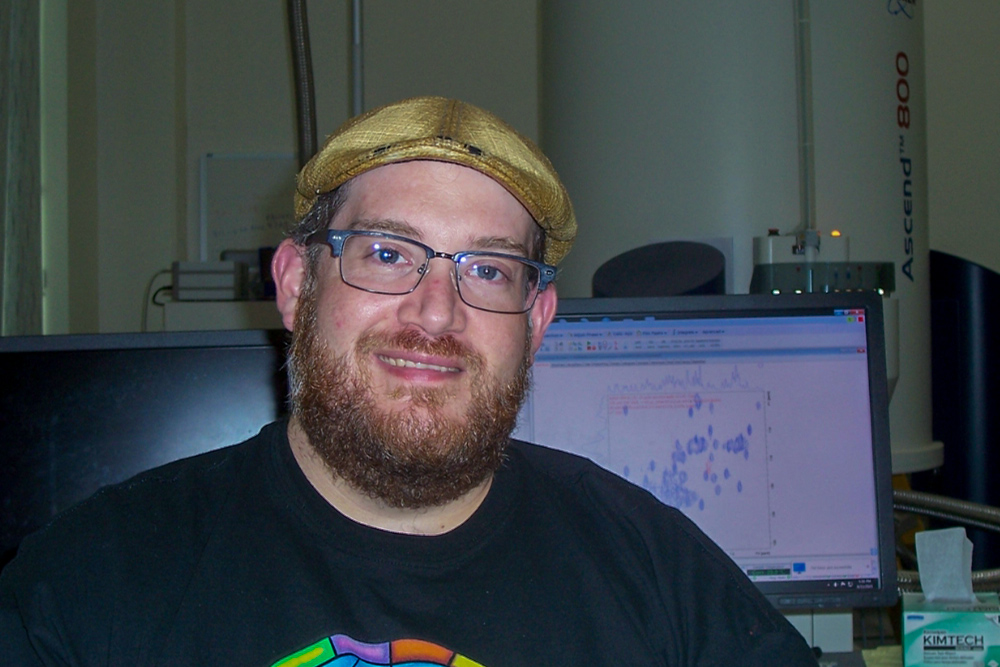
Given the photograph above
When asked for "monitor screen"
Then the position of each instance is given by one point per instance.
(764, 419)
(80, 412)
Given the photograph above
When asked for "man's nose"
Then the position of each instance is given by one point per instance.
(435, 305)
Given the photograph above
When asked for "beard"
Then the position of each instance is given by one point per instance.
(412, 457)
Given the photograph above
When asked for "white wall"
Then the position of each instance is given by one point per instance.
(139, 129)
(963, 138)
(238, 89)
(484, 52)
(55, 246)
(151, 86)
(154, 85)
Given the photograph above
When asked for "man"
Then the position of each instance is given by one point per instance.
(390, 521)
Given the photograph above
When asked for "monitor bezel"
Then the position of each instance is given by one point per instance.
(158, 340)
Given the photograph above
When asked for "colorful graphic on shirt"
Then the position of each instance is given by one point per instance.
(342, 651)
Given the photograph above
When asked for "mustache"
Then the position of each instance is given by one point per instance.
(413, 341)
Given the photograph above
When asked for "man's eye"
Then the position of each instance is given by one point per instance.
(489, 273)
(388, 256)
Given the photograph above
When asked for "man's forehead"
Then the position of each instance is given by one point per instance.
(374, 201)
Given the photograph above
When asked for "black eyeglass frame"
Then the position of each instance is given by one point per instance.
(335, 238)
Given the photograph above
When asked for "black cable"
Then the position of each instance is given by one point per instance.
(146, 299)
(157, 293)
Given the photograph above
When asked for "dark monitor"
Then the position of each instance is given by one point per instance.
(762, 418)
(80, 412)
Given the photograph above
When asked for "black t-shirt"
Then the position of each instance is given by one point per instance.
(232, 558)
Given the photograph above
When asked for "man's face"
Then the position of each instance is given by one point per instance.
(417, 389)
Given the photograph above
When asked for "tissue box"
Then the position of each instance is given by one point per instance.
(951, 633)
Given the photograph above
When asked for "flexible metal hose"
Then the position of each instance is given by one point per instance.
(908, 581)
(305, 96)
(953, 510)
(960, 511)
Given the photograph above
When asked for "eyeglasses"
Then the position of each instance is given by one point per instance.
(389, 264)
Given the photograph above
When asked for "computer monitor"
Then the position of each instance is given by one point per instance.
(762, 418)
(80, 412)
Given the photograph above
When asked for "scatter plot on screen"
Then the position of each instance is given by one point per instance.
(694, 435)
(700, 452)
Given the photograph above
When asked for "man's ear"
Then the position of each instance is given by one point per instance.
(542, 314)
(288, 270)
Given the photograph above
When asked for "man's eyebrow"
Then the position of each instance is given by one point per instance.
(385, 225)
(502, 244)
